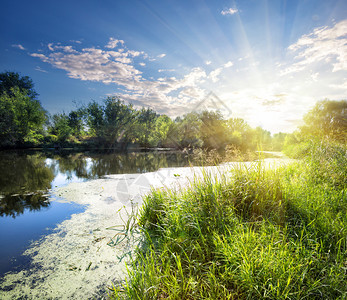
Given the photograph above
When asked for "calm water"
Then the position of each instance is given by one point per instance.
(27, 211)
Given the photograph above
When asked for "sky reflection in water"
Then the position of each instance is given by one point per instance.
(27, 211)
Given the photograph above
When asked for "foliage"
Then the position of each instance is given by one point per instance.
(118, 118)
(188, 128)
(21, 117)
(76, 122)
(61, 127)
(116, 124)
(95, 118)
(212, 129)
(327, 119)
(161, 134)
(11, 80)
(145, 127)
(278, 141)
(251, 234)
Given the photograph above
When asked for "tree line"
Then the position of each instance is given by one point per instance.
(116, 124)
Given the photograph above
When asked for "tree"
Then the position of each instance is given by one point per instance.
(327, 119)
(240, 134)
(21, 118)
(262, 138)
(145, 124)
(60, 127)
(10, 80)
(160, 134)
(278, 140)
(188, 130)
(76, 121)
(21, 114)
(212, 129)
(119, 118)
(95, 118)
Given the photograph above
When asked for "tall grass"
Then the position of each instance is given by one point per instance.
(253, 233)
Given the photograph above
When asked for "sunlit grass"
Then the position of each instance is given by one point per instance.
(247, 234)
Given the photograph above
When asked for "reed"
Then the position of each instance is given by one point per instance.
(250, 233)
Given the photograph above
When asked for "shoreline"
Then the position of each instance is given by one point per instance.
(87, 252)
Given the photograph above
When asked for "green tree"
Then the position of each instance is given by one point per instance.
(21, 118)
(60, 127)
(95, 118)
(76, 121)
(119, 119)
(188, 130)
(160, 135)
(240, 134)
(327, 119)
(262, 138)
(278, 141)
(145, 125)
(212, 129)
(10, 80)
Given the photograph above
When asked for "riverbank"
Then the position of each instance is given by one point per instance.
(87, 253)
(261, 233)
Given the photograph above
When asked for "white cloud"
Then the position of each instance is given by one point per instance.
(261, 97)
(19, 46)
(228, 64)
(166, 70)
(40, 70)
(116, 66)
(92, 64)
(214, 74)
(340, 86)
(113, 43)
(325, 45)
(314, 76)
(161, 55)
(208, 62)
(229, 11)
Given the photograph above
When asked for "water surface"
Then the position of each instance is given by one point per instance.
(27, 209)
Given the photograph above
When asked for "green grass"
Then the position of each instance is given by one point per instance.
(250, 233)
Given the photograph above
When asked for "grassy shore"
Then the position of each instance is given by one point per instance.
(251, 233)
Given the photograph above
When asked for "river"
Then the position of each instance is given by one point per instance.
(29, 209)
(63, 216)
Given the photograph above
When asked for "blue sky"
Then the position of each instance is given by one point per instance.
(268, 61)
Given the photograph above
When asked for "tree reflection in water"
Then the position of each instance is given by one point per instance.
(26, 177)
(24, 182)
(14, 205)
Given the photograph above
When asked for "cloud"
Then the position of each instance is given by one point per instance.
(214, 75)
(325, 45)
(113, 43)
(161, 55)
(166, 70)
(208, 62)
(40, 70)
(229, 11)
(340, 86)
(19, 46)
(93, 64)
(110, 65)
(228, 64)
